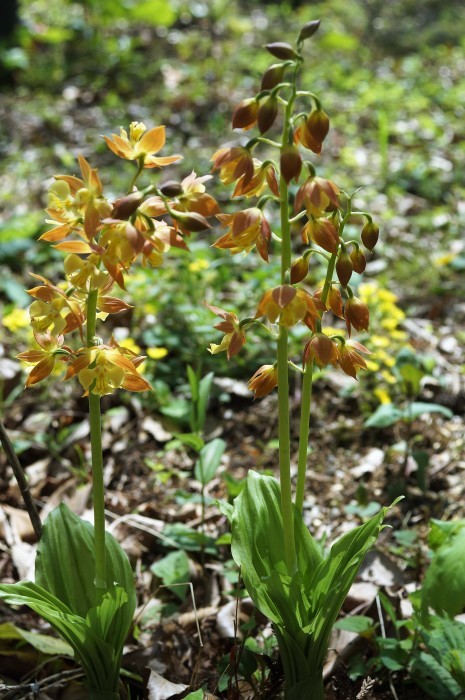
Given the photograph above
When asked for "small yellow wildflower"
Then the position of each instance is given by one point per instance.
(199, 265)
(157, 353)
(16, 320)
(382, 395)
(130, 344)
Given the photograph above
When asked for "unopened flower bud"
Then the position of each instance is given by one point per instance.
(323, 232)
(263, 381)
(126, 206)
(321, 349)
(370, 235)
(245, 114)
(318, 125)
(267, 113)
(191, 221)
(308, 30)
(356, 314)
(299, 270)
(273, 76)
(334, 302)
(290, 163)
(344, 268)
(171, 188)
(281, 50)
(359, 261)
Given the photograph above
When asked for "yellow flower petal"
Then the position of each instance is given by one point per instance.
(157, 353)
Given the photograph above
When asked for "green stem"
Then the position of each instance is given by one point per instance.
(140, 167)
(306, 401)
(304, 432)
(283, 367)
(285, 451)
(328, 278)
(97, 457)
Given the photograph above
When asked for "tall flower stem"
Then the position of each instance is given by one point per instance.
(97, 457)
(283, 366)
(285, 450)
(306, 400)
(304, 431)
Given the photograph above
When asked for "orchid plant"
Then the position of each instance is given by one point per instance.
(286, 575)
(84, 584)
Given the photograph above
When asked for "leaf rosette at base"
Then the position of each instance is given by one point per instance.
(95, 622)
(302, 604)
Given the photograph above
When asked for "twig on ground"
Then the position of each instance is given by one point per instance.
(20, 477)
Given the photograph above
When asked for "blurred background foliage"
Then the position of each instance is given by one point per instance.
(390, 75)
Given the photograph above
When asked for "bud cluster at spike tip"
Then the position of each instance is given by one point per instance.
(317, 202)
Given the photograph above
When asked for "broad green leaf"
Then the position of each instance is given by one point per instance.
(442, 531)
(226, 509)
(385, 415)
(444, 583)
(70, 541)
(304, 606)
(303, 677)
(258, 545)
(106, 620)
(328, 586)
(196, 695)
(419, 408)
(173, 569)
(360, 624)
(209, 460)
(191, 440)
(178, 409)
(391, 654)
(433, 678)
(44, 643)
(411, 376)
(95, 655)
(189, 539)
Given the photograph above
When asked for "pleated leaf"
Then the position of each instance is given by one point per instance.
(65, 563)
(93, 653)
(257, 536)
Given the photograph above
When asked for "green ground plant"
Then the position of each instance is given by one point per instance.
(84, 585)
(409, 369)
(290, 581)
(427, 645)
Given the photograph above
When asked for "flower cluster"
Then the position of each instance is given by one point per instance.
(320, 206)
(102, 240)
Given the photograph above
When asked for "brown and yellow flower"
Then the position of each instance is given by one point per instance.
(53, 310)
(44, 360)
(288, 305)
(194, 198)
(312, 132)
(234, 337)
(317, 195)
(141, 145)
(264, 175)
(321, 349)
(323, 232)
(233, 163)
(263, 381)
(356, 314)
(247, 228)
(349, 358)
(102, 369)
